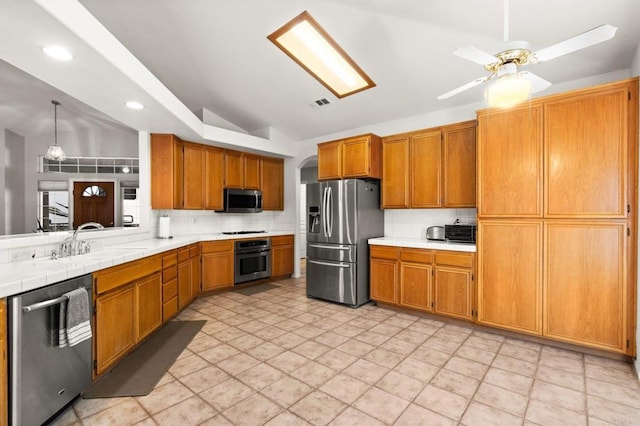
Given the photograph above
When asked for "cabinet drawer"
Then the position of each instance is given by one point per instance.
(183, 254)
(169, 308)
(169, 290)
(169, 274)
(416, 255)
(120, 275)
(169, 259)
(217, 246)
(464, 260)
(194, 250)
(282, 240)
(384, 252)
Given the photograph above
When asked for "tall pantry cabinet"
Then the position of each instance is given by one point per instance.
(557, 205)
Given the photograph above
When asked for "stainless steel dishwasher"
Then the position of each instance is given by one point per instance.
(43, 377)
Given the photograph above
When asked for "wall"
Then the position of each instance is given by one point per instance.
(14, 186)
(635, 71)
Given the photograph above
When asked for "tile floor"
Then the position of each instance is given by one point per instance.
(278, 358)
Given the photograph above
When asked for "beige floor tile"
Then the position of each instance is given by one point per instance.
(353, 417)
(204, 379)
(252, 411)
(515, 365)
(612, 412)
(561, 378)
(192, 411)
(311, 349)
(313, 373)
(166, 378)
(399, 346)
(456, 383)
(289, 324)
(606, 362)
(238, 363)
(482, 415)
(547, 414)
(356, 348)
(185, 366)
(309, 331)
(400, 321)
(260, 376)
(524, 343)
(502, 399)
(269, 333)
(508, 380)
(411, 336)
(218, 353)
(286, 391)
(66, 418)
(265, 351)
(442, 402)
(557, 395)
(384, 357)
(286, 418)
(616, 376)
(431, 356)
(467, 367)
(415, 415)
(229, 334)
(226, 394)
(345, 388)
(245, 342)
(366, 371)
(164, 396)
(482, 342)
(423, 328)
(386, 329)
(202, 342)
(252, 326)
(318, 408)
(331, 339)
(236, 320)
(128, 412)
(417, 369)
(615, 393)
(146, 422)
(564, 353)
(553, 360)
(273, 318)
(381, 405)
(441, 344)
(288, 340)
(364, 323)
(476, 354)
(400, 385)
(212, 327)
(86, 407)
(288, 361)
(372, 338)
(328, 324)
(348, 330)
(336, 359)
(509, 348)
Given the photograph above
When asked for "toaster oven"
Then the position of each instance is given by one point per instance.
(460, 233)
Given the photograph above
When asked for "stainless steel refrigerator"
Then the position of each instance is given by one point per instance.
(341, 216)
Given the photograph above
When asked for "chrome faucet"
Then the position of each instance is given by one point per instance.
(71, 247)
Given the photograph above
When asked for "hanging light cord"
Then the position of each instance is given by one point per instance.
(55, 122)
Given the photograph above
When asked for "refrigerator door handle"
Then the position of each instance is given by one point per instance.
(343, 248)
(339, 265)
(330, 209)
(324, 211)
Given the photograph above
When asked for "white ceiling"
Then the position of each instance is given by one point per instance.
(214, 54)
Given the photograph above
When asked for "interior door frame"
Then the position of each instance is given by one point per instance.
(117, 207)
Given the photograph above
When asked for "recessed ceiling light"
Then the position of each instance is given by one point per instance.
(58, 52)
(307, 43)
(134, 105)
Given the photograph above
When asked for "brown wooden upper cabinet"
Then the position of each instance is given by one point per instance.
(356, 157)
(430, 168)
(242, 170)
(214, 178)
(272, 183)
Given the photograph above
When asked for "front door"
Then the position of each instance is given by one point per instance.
(93, 202)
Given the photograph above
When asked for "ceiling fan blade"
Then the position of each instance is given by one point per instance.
(464, 87)
(586, 39)
(476, 55)
(538, 84)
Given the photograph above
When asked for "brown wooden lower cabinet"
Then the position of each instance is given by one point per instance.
(149, 305)
(184, 278)
(217, 264)
(416, 286)
(383, 274)
(195, 269)
(282, 256)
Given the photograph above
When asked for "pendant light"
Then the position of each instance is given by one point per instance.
(55, 152)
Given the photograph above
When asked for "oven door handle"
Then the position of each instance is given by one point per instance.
(45, 304)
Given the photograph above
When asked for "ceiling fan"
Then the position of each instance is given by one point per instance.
(511, 85)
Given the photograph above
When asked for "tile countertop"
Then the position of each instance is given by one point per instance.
(422, 243)
(18, 277)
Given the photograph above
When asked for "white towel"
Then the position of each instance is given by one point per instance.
(75, 318)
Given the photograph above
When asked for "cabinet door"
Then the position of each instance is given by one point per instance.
(184, 285)
(214, 179)
(383, 276)
(395, 172)
(415, 286)
(586, 139)
(282, 256)
(329, 160)
(459, 166)
(115, 327)
(233, 169)
(166, 172)
(217, 270)
(356, 156)
(272, 183)
(585, 283)
(149, 305)
(193, 186)
(510, 162)
(251, 179)
(196, 276)
(510, 275)
(452, 292)
(426, 169)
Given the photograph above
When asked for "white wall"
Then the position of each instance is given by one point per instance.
(635, 71)
(14, 186)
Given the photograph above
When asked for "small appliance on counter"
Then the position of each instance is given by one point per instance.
(460, 233)
(435, 233)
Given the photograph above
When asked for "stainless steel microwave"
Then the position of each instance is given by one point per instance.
(242, 201)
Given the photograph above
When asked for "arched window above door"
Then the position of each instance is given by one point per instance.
(94, 191)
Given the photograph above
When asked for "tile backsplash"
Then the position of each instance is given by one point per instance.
(413, 223)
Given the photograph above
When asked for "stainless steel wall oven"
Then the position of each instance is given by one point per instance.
(252, 260)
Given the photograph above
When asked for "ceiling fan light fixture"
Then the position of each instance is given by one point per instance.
(55, 152)
(508, 91)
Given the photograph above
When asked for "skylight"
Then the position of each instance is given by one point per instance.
(307, 43)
